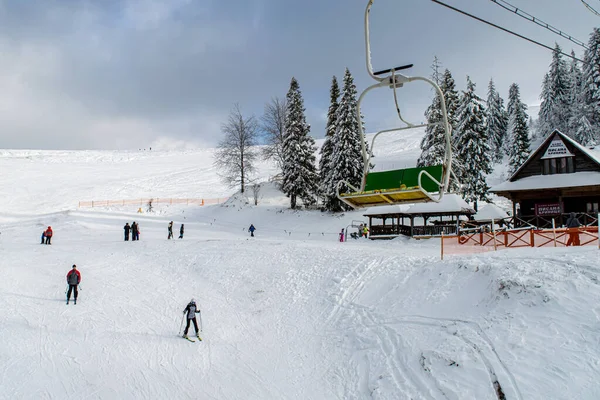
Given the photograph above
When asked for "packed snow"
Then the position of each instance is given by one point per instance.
(291, 313)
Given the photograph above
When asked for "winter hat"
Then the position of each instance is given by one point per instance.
(74, 266)
(193, 301)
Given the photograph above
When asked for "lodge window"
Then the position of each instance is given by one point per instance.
(563, 165)
(592, 208)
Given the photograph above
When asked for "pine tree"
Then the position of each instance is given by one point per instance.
(473, 149)
(327, 148)
(517, 129)
(299, 170)
(347, 161)
(496, 122)
(433, 144)
(590, 134)
(556, 106)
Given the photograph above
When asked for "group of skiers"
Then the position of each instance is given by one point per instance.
(134, 229)
(170, 230)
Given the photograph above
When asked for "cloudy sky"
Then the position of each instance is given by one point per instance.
(129, 74)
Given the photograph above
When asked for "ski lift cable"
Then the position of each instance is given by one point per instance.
(589, 7)
(509, 7)
(506, 30)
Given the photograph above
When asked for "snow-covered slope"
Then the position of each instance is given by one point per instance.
(289, 314)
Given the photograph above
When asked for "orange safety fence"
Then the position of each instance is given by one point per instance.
(484, 241)
(144, 202)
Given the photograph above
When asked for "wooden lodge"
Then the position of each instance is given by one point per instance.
(418, 220)
(561, 176)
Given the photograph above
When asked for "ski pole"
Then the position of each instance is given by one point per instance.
(181, 326)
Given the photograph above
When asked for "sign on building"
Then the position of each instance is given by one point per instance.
(557, 149)
(542, 210)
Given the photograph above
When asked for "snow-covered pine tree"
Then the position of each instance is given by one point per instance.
(518, 132)
(472, 146)
(451, 97)
(433, 144)
(496, 122)
(591, 91)
(299, 169)
(556, 107)
(578, 124)
(347, 161)
(325, 184)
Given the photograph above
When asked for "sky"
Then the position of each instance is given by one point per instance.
(131, 74)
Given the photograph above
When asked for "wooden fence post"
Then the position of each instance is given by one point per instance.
(442, 246)
(494, 235)
(532, 237)
(554, 231)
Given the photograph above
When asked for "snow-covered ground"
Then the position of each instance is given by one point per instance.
(289, 314)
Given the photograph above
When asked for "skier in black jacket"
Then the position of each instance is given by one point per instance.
(127, 228)
(191, 309)
(181, 232)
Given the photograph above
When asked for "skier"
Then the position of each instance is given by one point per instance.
(73, 279)
(181, 232)
(251, 230)
(134, 231)
(191, 309)
(170, 236)
(43, 236)
(48, 234)
(572, 227)
(366, 231)
(127, 228)
(342, 235)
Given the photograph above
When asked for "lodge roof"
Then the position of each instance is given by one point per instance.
(555, 181)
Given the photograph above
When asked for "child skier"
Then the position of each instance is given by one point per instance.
(181, 232)
(73, 279)
(251, 230)
(191, 309)
(170, 236)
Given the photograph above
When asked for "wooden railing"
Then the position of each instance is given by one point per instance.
(428, 230)
(483, 240)
(144, 202)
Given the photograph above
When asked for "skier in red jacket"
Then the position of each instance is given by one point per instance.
(48, 235)
(73, 279)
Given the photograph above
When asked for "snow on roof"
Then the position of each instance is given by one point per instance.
(449, 203)
(489, 212)
(576, 179)
(593, 154)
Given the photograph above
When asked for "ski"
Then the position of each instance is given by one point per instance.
(187, 338)
(199, 338)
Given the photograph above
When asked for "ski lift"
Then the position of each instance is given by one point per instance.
(409, 185)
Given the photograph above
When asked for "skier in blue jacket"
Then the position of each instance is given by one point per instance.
(191, 309)
(251, 230)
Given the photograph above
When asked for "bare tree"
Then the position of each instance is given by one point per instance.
(255, 193)
(273, 125)
(235, 154)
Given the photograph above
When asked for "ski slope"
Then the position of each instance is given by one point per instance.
(289, 314)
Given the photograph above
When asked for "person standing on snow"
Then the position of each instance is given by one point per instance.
(134, 231)
(572, 227)
(181, 232)
(48, 235)
(251, 230)
(170, 236)
(127, 228)
(73, 279)
(342, 235)
(191, 309)
(43, 236)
